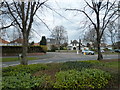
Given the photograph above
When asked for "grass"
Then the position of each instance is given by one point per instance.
(113, 64)
(17, 59)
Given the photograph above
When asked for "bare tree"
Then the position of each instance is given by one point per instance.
(90, 36)
(104, 11)
(22, 14)
(60, 35)
(112, 32)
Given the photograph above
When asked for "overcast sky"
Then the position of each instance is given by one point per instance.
(71, 20)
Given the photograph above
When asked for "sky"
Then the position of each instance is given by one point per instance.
(72, 21)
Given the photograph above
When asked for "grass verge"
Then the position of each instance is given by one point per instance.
(10, 59)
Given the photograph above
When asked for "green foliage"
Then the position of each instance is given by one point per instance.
(20, 77)
(53, 48)
(36, 49)
(87, 78)
(23, 80)
(78, 75)
(106, 49)
(32, 43)
(76, 65)
(44, 47)
(8, 71)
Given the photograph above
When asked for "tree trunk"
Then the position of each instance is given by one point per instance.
(24, 60)
(100, 56)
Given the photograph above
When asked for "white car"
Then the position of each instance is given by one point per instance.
(88, 52)
(102, 51)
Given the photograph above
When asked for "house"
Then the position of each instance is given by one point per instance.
(103, 45)
(16, 42)
(3, 42)
(50, 42)
(74, 45)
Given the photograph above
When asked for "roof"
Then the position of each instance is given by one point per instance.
(74, 42)
(36, 44)
(103, 44)
(51, 41)
(19, 40)
(4, 41)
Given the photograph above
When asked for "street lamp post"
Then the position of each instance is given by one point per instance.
(79, 44)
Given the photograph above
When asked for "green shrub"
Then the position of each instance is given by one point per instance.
(78, 65)
(14, 70)
(86, 79)
(53, 48)
(23, 80)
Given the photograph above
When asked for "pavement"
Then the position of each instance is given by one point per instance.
(56, 57)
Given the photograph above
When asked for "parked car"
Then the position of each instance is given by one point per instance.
(117, 50)
(88, 52)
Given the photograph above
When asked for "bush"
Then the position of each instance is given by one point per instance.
(86, 79)
(23, 80)
(14, 70)
(78, 65)
(20, 77)
(44, 47)
(53, 48)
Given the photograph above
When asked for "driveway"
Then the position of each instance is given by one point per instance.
(56, 57)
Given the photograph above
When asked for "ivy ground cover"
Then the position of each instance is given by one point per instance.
(76, 75)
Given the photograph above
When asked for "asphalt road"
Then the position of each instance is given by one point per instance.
(56, 57)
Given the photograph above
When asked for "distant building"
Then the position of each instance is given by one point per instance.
(74, 45)
(3, 42)
(50, 42)
(103, 45)
(36, 44)
(17, 42)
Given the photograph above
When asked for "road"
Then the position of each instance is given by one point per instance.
(56, 57)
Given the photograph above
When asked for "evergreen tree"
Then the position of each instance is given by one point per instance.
(43, 41)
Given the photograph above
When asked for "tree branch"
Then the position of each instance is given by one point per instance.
(44, 23)
(85, 14)
(13, 15)
(7, 26)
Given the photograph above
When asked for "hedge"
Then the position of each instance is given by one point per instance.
(18, 49)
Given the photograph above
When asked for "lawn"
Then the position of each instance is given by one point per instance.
(10, 59)
(81, 75)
